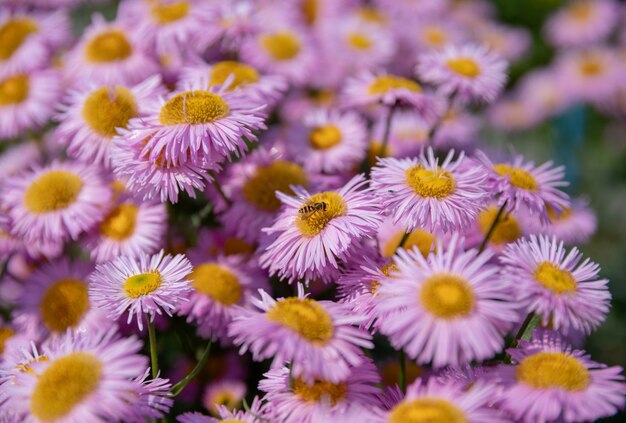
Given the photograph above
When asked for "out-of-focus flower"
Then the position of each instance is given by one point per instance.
(146, 284)
(554, 284)
(227, 394)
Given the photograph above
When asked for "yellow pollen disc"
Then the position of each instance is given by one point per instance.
(386, 270)
(435, 36)
(419, 238)
(109, 46)
(324, 137)
(142, 284)
(107, 109)
(311, 224)
(550, 370)
(557, 280)
(224, 398)
(260, 189)
(120, 222)
(565, 214)
(52, 191)
(426, 410)
(507, 230)
(217, 282)
(519, 177)
(590, 67)
(242, 74)
(5, 333)
(64, 304)
(170, 12)
(464, 66)
(305, 317)
(319, 391)
(193, 107)
(580, 10)
(430, 183)
(13, 34)
(371, 14)
(309, 10)
(382, 84)
(14, 90)
(281, 45)
(447, 296)
(65, 384)
(359, 41)
(233, 246)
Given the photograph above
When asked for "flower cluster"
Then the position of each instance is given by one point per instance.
(295, 205)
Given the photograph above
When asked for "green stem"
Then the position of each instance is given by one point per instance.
(387, 130)
(492, 228)
(403, 240)
(402, 377)
(153, 349)
(176, 389)
(525, 332)
(218, 187)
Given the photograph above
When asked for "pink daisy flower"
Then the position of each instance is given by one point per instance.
(129, 229)
(380, 88)
(228, 394)
(83, 378)
(18, 158)
(56, 202)
(510, 228)
(522, 186)
(254, 415)
(252, 184)
(217, 242)
(237, 76)
(91, 116)
(205, 122)
(553, 382)
(27, 41)
(56, 297)
(432, 303)
(143, 285)
(407, 135)
(218, 287)
(299, 401)
(329, 141)
(317, 338)
(285, 51)
(420, 192)
(575, 225)
(544, 92)
(390, 234)
(27, 101)
(109, 53)
(309, 244)
(510, 43)
(432, 33)
(469, 72)
(155, 178)
(582, 23)
(554, 284)
(154, 398)
(435, 400)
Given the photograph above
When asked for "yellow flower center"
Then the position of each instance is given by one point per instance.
(371, 14)
(507, 230)
(447, 296)
(557, 280)
(591, 67)
(223, 398)
(106, 109)
(564, 215)
(5, 334)
(233, 246)
(519, 177)
(359, 41)
(12, 35)
(320, 390)
(14, 90)
(580, 10)
(430, 183)
(426, 410)
(435, 36)
(193, 107)
(382, 84)
(376, 150)
(52, 191)
(120, 222)
(386, 270)
(281, 45)
(311, 224)
(64, 304)
(217, 282)
(305, 317)
(142, 284)
(324, 137)
(242, 74)
(109, 46)
(64, 385)
(260, 189)
(419, 238)
(170, 12)
(550, 370)
(464, 66)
